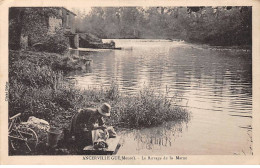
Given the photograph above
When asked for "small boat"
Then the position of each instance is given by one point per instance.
(117, 48)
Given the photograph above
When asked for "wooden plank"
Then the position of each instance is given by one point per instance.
(112, 143)
(113, 146)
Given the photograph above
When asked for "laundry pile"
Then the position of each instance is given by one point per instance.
(40, 126)
(100, 136)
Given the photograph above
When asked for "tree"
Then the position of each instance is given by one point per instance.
(33, 23)
(213, 25)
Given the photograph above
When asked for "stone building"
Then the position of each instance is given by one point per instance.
(67, 22)
(29, 27)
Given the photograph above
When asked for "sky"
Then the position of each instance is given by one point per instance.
(81, 9)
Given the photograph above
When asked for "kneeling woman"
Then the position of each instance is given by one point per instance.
(84, 122)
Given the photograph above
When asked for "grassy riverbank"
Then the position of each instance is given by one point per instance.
(38, 88)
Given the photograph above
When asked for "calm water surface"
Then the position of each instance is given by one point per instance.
(215, 85)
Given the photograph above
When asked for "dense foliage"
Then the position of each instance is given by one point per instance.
(33, 23)
(213, 25)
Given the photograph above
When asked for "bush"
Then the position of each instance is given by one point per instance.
(146, 109)
(53, 43)
(35, 76)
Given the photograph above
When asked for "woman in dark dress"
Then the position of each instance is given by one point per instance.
(85, 121)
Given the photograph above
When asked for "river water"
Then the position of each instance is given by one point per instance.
(214, 83)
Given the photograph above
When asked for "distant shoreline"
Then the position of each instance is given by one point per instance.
(210, 46)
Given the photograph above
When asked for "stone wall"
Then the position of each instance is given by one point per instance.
(54, 24)
(24, 41)
(76, 41)
(68, 21)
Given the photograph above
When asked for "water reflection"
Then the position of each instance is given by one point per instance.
(216, 85)
(158, 139)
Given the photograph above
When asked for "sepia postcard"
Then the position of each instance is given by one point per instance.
(129, 82)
